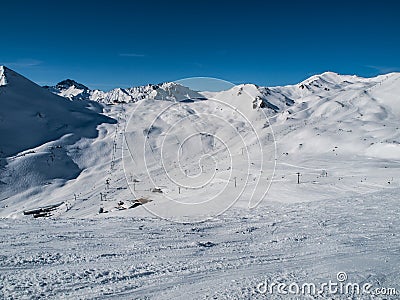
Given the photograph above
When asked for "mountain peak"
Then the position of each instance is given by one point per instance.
(10, 77)
(327, 77)
(67, 83)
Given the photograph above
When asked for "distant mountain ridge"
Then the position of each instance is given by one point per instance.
(164, 91)
(274, 99)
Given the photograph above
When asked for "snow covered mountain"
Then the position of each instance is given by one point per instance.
(70, 89)
(334, 134)
(36, 127)
(31, 116)
(165, 91)
(360, 114)
(321, 158)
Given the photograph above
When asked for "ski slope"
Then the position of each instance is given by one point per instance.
(227, 257)
(248, 145)
(161, 192)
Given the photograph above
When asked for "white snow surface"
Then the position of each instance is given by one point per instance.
(224, 258)
(245, 147)
(342, 126)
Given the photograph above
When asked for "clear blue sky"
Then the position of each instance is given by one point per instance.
(105, 44)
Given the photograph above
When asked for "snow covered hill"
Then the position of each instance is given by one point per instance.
(361, 114)
(35, 128)
(31, 116)
(319, 159)
(191, 154)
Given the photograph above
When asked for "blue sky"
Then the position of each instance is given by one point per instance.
(107, 44)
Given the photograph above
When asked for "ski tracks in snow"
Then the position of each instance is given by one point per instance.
(225, 258)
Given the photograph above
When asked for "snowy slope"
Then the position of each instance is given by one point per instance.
(36, 126)
(225, 258)
(31, 116)
(240, 147)
(337, 134)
